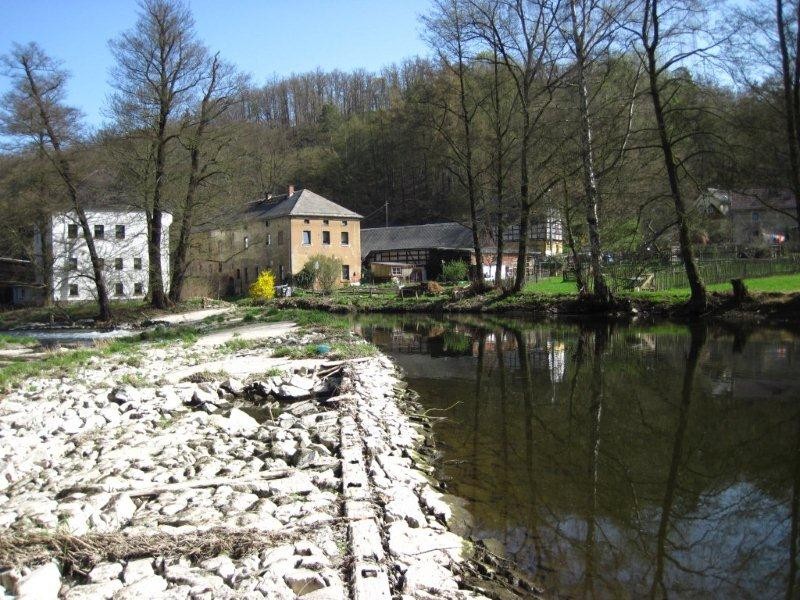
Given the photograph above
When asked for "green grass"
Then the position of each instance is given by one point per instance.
(551, 286)
(339, 351)
(16, 341)
(121, 312)
(785, 284)
(554, 286)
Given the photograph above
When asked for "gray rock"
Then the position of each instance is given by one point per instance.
(304, 581)
(43, 583)
(138, 569)
(428, 576)
(104, 572)
(94, 591)
(149, 587)
(239, 422)
(232, 385)
(291, 393)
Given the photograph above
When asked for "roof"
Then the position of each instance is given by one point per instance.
(450, 236)
(302, 203)
(762, 198)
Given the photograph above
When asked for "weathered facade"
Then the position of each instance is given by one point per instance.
(278, 234)
(120, 238)
(763, 217)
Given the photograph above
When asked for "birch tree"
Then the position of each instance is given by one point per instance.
(591, 29)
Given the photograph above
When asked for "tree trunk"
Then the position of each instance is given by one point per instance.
(179, 256)
(699, 299)
(601, 289)
(499, 179)
(576, 257)
(524, 206)
(154, 227)
(65, 171)
(791, 97)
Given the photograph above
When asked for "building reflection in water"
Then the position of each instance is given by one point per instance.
(619, 462)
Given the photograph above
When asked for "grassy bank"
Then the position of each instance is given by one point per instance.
(131, 311)
(776, 297)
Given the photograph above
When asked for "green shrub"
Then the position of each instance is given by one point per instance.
(455, 270)
(321, 273)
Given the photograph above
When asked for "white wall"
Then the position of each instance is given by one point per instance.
(133, 246)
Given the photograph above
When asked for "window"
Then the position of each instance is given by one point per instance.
(345, 238)
(280, 238)
(119, 289)
(266, 223)
(326, 238)
(344, 223)
(99, 232)
(238, 274)
(326, 222)
(138, 289)
(72, 231)
(219, 267)
(73, 263)
(246, 276)
(118, 264)
(346, 272)
(755, 216)
(306, 237)
(397, 270)
(246, 242)
(119, 232)
(269, 239)
(137, 263)
(102, 263)
(306, 221)
(73, 289)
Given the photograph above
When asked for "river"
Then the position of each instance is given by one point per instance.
(617, 461)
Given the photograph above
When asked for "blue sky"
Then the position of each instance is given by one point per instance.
(262, 37)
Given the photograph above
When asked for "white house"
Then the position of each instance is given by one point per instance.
(120, 238)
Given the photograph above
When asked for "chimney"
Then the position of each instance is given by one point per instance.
(291, 190)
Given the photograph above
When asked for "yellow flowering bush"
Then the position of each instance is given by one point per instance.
(263, 288)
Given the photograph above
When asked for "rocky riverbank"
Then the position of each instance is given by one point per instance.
(288, 479)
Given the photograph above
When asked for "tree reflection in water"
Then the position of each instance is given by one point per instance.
(624, 462)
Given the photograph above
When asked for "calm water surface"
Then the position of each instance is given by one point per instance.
(615, 461)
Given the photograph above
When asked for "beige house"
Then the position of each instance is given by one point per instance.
(278, 234)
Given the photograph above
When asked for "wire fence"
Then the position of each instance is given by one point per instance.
(660, 277)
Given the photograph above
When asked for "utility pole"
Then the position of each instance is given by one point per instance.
(386, 205)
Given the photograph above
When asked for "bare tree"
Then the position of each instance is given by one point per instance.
(159, 67)
(591, 29)
(222, 89)
(34, 108)
(670, 33)
(524, 34)
(448, 28)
